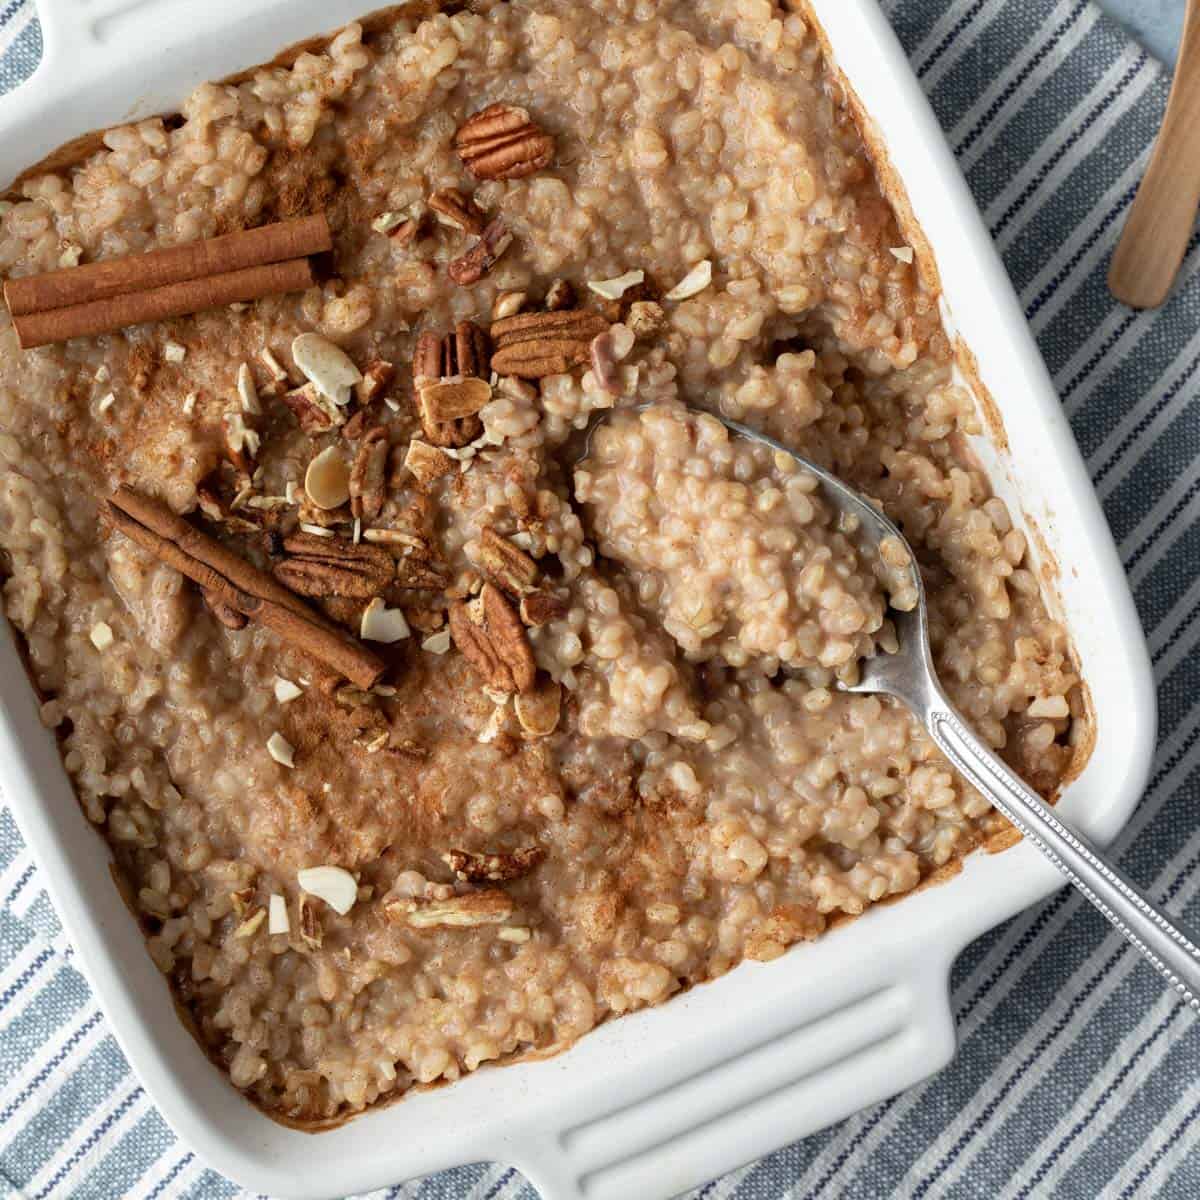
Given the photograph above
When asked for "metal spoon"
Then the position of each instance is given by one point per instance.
(909, 676)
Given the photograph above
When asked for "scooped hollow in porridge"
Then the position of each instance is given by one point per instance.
(415, 751)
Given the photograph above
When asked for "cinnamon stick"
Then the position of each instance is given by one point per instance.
(175, 264)
(233, 581)
(174, 300)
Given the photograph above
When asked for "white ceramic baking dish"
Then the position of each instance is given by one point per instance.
(649, 1105)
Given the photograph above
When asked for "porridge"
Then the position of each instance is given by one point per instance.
(416, 748)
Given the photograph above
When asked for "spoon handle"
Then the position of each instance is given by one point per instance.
(1167, 948)
(1160, 222)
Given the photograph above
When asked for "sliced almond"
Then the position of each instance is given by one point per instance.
(277, 915)
(247, 392)
(427, 462)
(281, 750)
(326, 366)
(335, 885)
(437, 643)
(382, 624)
(508, 304)
(451, 399)
(327, 480)
(286, 691)
(106, 402)
(487, 907)
(693, 283)
(241, 442)
(250, 925)
(317, 530)
(614, 289)
(538, 711)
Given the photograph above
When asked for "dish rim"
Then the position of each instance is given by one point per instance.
(589, 1122)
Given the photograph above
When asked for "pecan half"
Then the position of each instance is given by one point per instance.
(493, 868)
(316, 413)
(492, 639)
(322, 567)
(502, 142)
(446, 377)
(489, 907)
(367, 475)
(534, 345)
(540, 607)
(472, 266)
(506, 564)
(458, 210)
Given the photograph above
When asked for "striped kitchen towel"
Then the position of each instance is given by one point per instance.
(1075, 1073)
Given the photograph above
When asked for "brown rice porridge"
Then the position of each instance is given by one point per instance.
(528, 854)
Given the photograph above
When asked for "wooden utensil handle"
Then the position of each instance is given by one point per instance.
(1156, 235)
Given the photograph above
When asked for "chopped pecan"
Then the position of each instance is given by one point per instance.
(367, 474)
(226, 614)
(645, 319)
(493, 867)
(374, 382)
(538, 711)
(488, 907)
(241, 441)
(472, 266)
(315, 412)
(427, 462)
(492, 639)
(310, 923)
(412, 573)
(506, 564)
(561, 295)
(322, 567)
(209, 502)
(534, 345)
(540, 607)
(502, 142)
(358, 425)
(446, 376)
(459, 210)
(406, 540)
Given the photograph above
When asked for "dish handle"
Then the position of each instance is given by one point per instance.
(725, 1105)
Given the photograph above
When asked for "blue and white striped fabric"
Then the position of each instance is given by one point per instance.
(1076, 1072)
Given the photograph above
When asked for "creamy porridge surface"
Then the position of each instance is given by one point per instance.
(531, 853)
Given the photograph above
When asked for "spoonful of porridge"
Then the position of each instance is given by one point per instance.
(753, 555)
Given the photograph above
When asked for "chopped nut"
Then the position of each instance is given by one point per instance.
(326, 366)
(327, 480)
(272, 364)
(376, 378)
(324, 567)
(427, 462)
(450, 401)
(458, 210)
(286, 691)
(281, 750)
(367, 477)
(491, 637)
(538, 711)
(373, 743)
(387, 221)
(106, 402)
(241, 442)
(903, 253)
(335, 885)
(514, 933)
(490, 907)
(472, 266)
(693, 283)
(173, 352)
(534, 345)
(247, 392)
(561, 295)
(315, 412)
(502, 142)
(505, 564)
(277, 920)
(310, 924)
(645, 318)
(493, 867)
(614, 289)
(250, 925)
(540, 607)
(382, 624)
(437, 643)
(189, 403)
(507, 304)
(101, 635)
